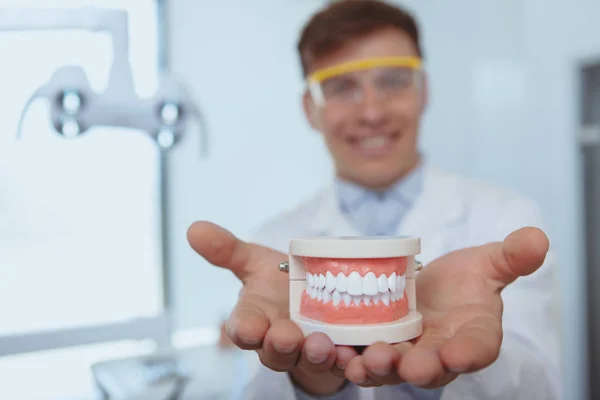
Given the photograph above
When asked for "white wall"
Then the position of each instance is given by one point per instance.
(502, 109)
(226, 51)
(551, 49)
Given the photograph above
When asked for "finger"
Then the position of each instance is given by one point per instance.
(381, 361)
(356, 372)
(521, 254)
(474, 346)
(282, 345)
(318, 354)
(378, 364)
(344, 355)
(247, 325)
(221, 248)
(422, 365)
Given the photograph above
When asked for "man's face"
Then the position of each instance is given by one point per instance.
(373, 141)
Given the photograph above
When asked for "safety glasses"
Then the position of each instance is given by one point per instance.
(346, 84)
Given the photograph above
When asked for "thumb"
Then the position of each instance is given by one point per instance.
(220, 247)
(522, 253)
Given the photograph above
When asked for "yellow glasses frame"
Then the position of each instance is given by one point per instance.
(315, 79)
(321, 75)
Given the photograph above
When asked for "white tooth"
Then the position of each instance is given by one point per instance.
(321, 281)
(311, 280)
(385, 297)
(367, 299)
(356, 300)
(313, 293)
(382, 283)
(330, 282)
(376, 298)
(411, 296)
(326, 296)
(347, 298)
(341, 283)
(355, 284)
(392, 282)
(401, 282)
(377, 141)
(337, 297)
(402, 287)
(319, 295)
(394, 296)
(370, 284)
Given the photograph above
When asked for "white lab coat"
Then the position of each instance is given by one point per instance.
(451, 213)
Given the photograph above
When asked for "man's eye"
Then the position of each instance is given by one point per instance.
(396, 79)
(338, 87)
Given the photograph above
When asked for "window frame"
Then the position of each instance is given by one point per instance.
(157, 328)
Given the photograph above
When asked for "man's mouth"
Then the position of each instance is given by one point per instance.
(374, 145)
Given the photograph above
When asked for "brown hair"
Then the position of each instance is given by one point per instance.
(344, 20)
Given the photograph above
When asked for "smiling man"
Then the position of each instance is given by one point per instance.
(366, 92)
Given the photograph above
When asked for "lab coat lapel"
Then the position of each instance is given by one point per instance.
(438, 208)
(329, 219)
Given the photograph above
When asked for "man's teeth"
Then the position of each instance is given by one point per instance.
(373, 142)
(355, 288)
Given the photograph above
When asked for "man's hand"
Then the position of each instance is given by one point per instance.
(458, 295)
(260, 320)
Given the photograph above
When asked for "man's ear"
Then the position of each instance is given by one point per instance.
(310, 111)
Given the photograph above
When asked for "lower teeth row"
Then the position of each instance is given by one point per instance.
(336, 297)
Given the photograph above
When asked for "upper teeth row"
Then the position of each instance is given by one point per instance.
(357, 285)
(374, 142)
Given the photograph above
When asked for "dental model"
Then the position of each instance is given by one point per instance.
(356, 290)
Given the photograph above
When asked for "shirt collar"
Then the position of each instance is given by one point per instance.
(350, 195)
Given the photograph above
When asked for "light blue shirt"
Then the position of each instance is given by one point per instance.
(374, 214)
(379, 213)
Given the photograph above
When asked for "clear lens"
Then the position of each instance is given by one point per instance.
(387, 82)
(392, 80)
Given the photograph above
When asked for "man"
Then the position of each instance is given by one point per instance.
(366, 93)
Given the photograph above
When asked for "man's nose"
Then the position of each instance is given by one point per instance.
(372, 109)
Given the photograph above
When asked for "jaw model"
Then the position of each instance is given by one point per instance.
(357, 291)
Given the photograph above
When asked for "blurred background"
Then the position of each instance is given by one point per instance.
(96, 275)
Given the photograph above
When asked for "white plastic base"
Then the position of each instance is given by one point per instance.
(406, 328)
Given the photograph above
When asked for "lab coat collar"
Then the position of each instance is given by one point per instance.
(437, 207)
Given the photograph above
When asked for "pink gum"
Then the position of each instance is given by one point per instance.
(353, 314)
(378, 266)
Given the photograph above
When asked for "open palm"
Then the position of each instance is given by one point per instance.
(459, 295)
